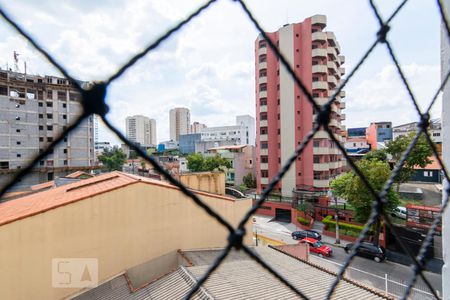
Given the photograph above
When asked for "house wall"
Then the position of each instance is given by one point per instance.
(211, 182)
(121, 229)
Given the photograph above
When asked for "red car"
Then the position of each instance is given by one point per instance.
(317, 247)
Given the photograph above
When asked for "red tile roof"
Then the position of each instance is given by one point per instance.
(78, 174)
(434, 165)
(40, 202)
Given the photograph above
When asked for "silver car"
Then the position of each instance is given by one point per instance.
(399, 212)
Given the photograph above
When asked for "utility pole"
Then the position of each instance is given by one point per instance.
(336, 217)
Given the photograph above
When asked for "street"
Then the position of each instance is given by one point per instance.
(379, 275)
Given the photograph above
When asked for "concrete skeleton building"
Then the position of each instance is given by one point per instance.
(35, 110)
(141, 129)
(180, 122)
(283, 114)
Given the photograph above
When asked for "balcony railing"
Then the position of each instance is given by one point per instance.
(318, 52)
(320, 85)
(263, 108)
(319, 69)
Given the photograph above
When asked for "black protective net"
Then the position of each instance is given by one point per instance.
(93, 100)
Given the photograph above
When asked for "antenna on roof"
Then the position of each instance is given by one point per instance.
(16, 61)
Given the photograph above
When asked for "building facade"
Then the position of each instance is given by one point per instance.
(243, 133)
(248, 123)
(434, 129)
(180, 122)
(283, 114)
(197, 127)
(187, 142)
(141, 130)
(35, 110)
(379, 132)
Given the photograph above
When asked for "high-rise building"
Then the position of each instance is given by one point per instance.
(197, 127)
(180, 122)
(34, 110)
(248, 122)
(284, 115)
(141, 130)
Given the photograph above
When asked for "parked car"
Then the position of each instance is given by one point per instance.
(318, 247)
(233, 192)
(399, 212)
(301, 234)
(368, 250)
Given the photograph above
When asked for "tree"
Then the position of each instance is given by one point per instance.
(307, 208)
(419, 155)
(113, 158)
(349, 186)
(376, 155)
(197, 163)
(249, 181)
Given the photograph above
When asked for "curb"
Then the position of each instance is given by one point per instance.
(336, 245)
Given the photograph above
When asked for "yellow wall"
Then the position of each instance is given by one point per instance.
(122, 228)
(212, 182)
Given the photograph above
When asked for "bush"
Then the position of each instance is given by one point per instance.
(303, 221)
(351, 229)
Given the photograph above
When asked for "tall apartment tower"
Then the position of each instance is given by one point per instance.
(141, 130)
(283, 114)
(197, 127)
(248, 122)
(180, 121)
(34, 110)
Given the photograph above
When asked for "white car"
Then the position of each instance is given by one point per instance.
(399, 212)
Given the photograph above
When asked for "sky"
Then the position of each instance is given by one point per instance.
(208, 66)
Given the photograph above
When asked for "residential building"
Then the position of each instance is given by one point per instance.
(187, 142)
(355, 145)
(243, 133)
(100, 146)
(180, 122)
(284, 115)
(378, 134)
(116, 219)
(197, 127)
(434, 129)
(35, 110)
(141, 130)
(242, 158)
(237, 277)
(167, 146)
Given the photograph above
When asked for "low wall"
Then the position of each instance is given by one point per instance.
(341, 236)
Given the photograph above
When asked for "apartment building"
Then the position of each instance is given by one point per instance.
(180, 122)
(35, 110)
(243, 133)
(379, 132)
(141, 130)
(197, 127)
(283, 114)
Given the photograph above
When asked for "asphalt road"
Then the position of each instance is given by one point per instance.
(361, 269)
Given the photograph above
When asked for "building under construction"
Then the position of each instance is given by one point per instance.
(34, 110)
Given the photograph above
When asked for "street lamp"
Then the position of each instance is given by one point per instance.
(336, 217)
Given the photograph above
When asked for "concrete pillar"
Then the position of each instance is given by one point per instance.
(445, 59)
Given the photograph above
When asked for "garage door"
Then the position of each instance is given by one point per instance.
(283, 215)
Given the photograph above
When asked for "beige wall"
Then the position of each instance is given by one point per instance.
(212, 182)
(122, 228)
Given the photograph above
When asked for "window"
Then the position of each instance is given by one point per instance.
(264, 159)
(49, 94)
(262, 44)
(64, 105)
(73, 97)
(278, 87)
(315, 78)
(263, 73)
(262, 58)
(40, 104)
(49, 104)
(264, 145)
(18, 143)
(50, 175)
(264, 173)
(428, 173)
(41, 139)
(17, 118)
(41, 163)
(263, 87)
(65, 162)
(316, 143)
(65, 140)
(64, 117)
(62, 95)
(49, 116)
(49, 127)
(18, 155)
(263, 116)
(4, 164)
(41, 116)
(316, 159)
(263, 101)
(40, 95)
(436, 134)
(49, 139)
(18, 130)
(263, 130)
(65, 151)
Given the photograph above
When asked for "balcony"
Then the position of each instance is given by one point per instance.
(320, 20)
(264, 166)
(320, 85)
(263, 123)
(332, 66)
(263, 65)
(336, 109)
(332, 79)
(264, 180)
(319, 69)
(321, 183)
(262, 50)
(263, 94)
(321, 101)
(321, 167)
(342, 94)
(319, 36)
(318, 52)
(263, 108)
(331, 37)
(332, 51)
(334, 164)
(263, 137)
(341, 59)
(342, 71)
(343, 127)
(321, 150)
(321, 134)
(342, 104)
(342, 117)
(264, 152)
(335, 123)
(263, 79)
